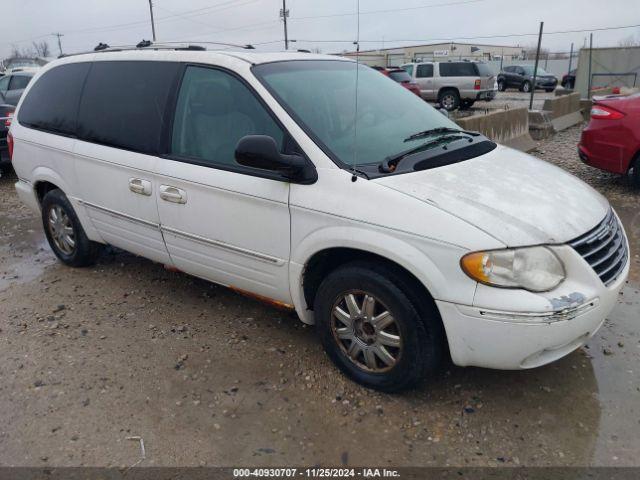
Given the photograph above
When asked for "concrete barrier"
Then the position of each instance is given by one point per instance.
(564, 111)
(507, 127)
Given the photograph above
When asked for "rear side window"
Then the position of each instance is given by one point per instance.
(19, 82)
(458, 69)
(400, 76)
(424, 71)
(409, 69)
(52, 102)
(124, 102)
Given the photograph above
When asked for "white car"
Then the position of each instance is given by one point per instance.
(402, 237)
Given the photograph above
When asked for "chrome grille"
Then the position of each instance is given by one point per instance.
(604, 248)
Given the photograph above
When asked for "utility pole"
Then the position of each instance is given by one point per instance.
(59, 41)
(590, 53)
(153, 25)
(570, 59)
(535, 67)
(284, 13)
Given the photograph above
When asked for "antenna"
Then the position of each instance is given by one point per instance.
(355, 116)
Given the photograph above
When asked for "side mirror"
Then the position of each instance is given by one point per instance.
(261, 151)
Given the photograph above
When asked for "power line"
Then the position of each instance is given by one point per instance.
(390, 10)
(452, 39)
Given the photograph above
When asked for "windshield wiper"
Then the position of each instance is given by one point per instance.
(439, 131)
(390, 163)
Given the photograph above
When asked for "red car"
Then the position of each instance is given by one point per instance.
(402, 77)
(611, 140)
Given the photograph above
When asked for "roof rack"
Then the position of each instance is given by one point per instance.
(149, 45)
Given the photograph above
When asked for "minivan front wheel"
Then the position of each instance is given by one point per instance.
(64, 232)
(373, 329)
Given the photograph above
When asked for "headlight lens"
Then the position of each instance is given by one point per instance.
(536, 269)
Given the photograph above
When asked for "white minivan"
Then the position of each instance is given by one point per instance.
(318, 184)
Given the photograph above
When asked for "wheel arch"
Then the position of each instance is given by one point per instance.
(444, 89)
(320, 254)
(45, 179)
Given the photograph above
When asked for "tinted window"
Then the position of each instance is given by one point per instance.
(52, 102)
(19, 81)
(409, 69)
(509, 69)
(213, 112)
(424, 71)
(400, 76)
(123, 104)
(484, 69)
(4, 83)
(461, 69)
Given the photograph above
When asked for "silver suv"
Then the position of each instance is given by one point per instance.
(453, 84)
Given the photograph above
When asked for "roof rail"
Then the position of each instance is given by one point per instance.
(149, 45)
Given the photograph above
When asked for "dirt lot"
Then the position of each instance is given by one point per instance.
(90, 357)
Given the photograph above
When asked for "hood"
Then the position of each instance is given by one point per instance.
(514, 197)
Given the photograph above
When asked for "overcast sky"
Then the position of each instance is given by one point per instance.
(84, 23)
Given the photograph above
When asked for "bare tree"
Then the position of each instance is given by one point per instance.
(42, 48)
(530, 53)
(629, 41)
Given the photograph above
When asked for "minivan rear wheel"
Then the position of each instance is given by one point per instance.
(373, 328)
(64, 232)
(449, 99)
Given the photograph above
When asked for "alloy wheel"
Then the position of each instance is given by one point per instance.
(366, 331)
(61, 230)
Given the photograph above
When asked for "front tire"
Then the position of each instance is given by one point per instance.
(466, 104)
(64, 231)
(375, 329)
(501, 86)
(526, 86)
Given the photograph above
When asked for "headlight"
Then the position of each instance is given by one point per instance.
(536, 269)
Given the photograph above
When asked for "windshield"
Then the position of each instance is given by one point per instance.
(528, 70)
(320, 96)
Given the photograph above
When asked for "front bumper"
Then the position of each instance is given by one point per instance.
(513, 340)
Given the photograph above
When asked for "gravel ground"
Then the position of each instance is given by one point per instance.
(91, 357)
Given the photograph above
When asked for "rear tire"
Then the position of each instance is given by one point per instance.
(449, 99)
(387, 353)
(64, 231)
(635, 173)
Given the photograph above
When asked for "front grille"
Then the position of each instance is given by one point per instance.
(604, 248)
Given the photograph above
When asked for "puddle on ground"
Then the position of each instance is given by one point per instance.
(24, 252)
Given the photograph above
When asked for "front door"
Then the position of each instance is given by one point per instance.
(221, 221)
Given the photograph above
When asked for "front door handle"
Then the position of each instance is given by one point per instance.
(173, 194)
(140, 186)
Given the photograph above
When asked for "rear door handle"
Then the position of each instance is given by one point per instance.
(140, 186)
(173, 194)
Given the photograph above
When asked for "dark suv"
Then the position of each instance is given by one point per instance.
(521, 77)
